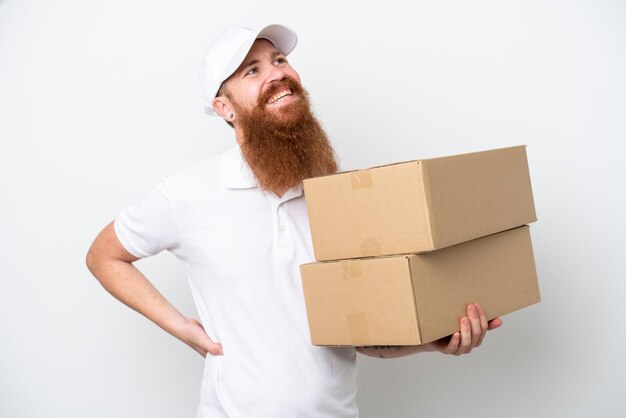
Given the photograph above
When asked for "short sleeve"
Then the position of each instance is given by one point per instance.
(148, 227)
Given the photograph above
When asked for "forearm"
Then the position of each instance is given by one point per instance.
(111, 264)
(127, 284)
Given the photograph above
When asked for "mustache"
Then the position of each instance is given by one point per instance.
(276, 87)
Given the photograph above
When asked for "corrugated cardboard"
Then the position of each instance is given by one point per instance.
(415, 299)
(419, 206)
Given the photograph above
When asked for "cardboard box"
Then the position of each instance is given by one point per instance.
(415, 299)
(419, 206)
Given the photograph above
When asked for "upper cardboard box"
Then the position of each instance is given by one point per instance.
(419, 206)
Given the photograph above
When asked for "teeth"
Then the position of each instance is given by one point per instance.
(279, 96)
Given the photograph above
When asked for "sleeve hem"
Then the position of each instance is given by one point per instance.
(125, 243)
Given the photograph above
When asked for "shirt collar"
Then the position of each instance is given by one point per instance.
(238, 174)
(236, 171)
(294, 192)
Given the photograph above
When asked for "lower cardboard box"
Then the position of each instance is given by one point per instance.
(418, 298)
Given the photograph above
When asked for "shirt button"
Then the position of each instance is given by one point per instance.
(283, 227)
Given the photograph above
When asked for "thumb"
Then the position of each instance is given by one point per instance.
(214, 349)
(197, 338)
(494, 323)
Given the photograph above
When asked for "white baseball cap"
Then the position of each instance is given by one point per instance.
(228, 50)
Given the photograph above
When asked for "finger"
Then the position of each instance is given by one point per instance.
(494, 323)
(215, 349)
(209, 348)
(201, 342)
(466, 336)
(482, 316)
(484, 325)
(453, 345)
(474, 318)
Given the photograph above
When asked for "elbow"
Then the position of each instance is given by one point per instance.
(91, 261)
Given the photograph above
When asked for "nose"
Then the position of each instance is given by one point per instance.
(276, 74)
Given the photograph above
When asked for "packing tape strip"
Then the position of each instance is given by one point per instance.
(350, 269)
(361, 179)
(359, 329)
(370, 246)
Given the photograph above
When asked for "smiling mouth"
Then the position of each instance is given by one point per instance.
(279, 96)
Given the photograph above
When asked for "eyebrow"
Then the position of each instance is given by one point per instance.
(276, 53)
(250, 63)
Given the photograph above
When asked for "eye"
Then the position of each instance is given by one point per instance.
(252, 71)
(280, 61)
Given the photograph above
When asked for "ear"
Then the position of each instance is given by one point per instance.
(223, 107)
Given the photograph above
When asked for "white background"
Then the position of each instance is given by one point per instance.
(99, 99)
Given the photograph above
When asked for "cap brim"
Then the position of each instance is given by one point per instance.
(283, 38)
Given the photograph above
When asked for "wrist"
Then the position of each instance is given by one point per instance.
(177, 325)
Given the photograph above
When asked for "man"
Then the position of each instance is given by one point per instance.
(238, 223)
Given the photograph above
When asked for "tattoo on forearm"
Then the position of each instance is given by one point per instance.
(384, 347)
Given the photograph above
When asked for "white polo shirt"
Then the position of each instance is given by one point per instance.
(241, 248)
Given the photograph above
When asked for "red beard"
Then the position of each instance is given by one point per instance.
(286, 146)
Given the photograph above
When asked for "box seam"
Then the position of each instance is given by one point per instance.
(413, 288)
(427, 199)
